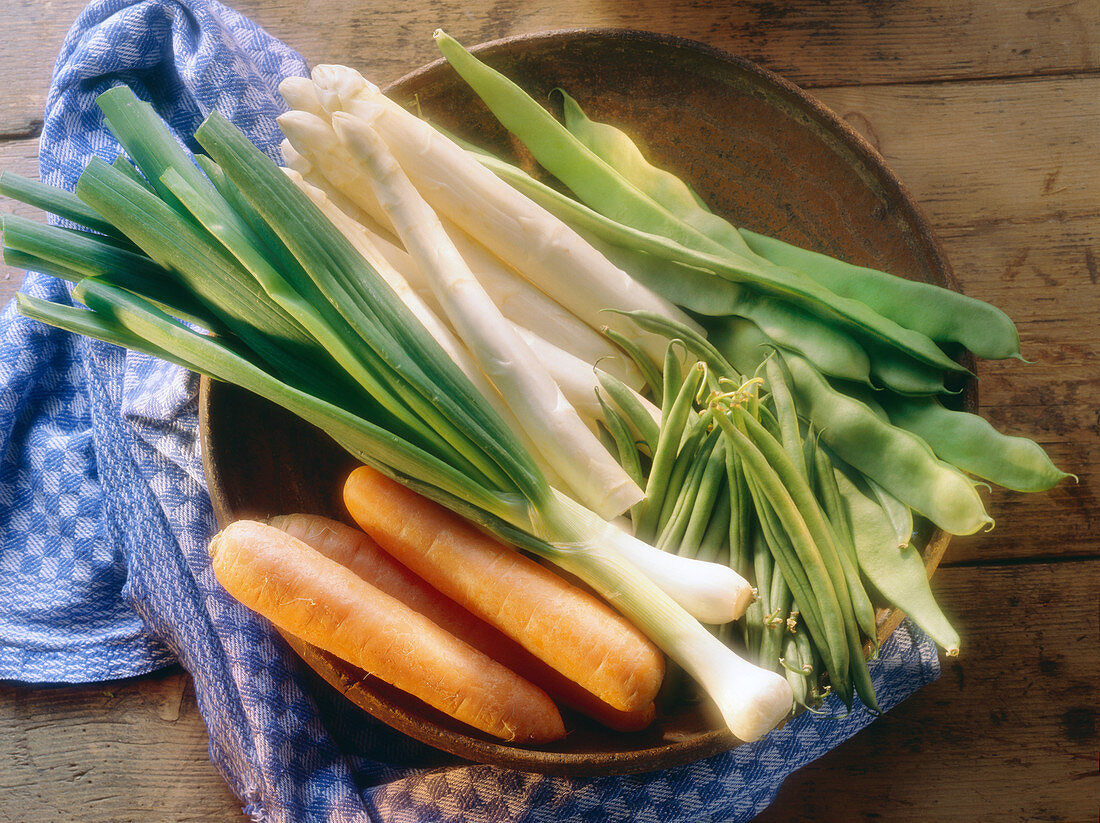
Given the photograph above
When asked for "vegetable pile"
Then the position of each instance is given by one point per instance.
(701, 423)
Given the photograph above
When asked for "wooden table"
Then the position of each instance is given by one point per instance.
(990, 112)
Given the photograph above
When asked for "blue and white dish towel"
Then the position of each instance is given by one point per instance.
(104, 518)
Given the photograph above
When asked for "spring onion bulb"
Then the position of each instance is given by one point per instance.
(711, 592)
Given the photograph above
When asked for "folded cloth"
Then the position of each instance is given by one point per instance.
(104, 518)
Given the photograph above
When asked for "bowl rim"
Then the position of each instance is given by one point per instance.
(926, 246)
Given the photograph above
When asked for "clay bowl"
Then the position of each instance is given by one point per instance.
(757, 149)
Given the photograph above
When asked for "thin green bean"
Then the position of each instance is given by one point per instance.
(714, 544)
(624, 446)
(650, 374)
(664, 456)
(854, 603)
(696, 434)
(673, 526)
(641, 423)
(785, 526)
(707, 498)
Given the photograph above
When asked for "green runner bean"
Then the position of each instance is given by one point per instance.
(615, 148)
(971, 443)
(941, 314)
(898, 460)
(899, 576)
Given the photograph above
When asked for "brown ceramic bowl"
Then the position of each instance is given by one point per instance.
(757, 149)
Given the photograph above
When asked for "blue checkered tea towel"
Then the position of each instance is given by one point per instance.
(104, 518)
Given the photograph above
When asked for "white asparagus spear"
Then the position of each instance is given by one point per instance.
(361, 238)
(523, 234)
(575, 375)
(538, 404)
(315, 152)
(578, 380)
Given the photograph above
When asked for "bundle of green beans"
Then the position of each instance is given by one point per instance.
(732, 474)
(810, 430)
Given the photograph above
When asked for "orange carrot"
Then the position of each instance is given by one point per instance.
(570, 630)
(314, 598)
(354, 549)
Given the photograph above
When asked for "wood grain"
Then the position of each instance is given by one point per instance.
(1008, 733)
(121, 751)
(850, 42)
(1006, 151)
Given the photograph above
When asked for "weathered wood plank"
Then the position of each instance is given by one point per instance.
(1007, 733)
(130, 750)
(1040, 273)
(1007, 151)
(812, 43)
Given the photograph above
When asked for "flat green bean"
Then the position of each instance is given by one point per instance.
(592, 180)
(971, 443)
(901, 516)
(792, 286)
(890, 369)
(941, 314)
(831, 349)
(615, 148)
(899, 576)
(898, 460)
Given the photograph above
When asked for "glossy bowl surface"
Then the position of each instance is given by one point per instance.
(758, 150)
